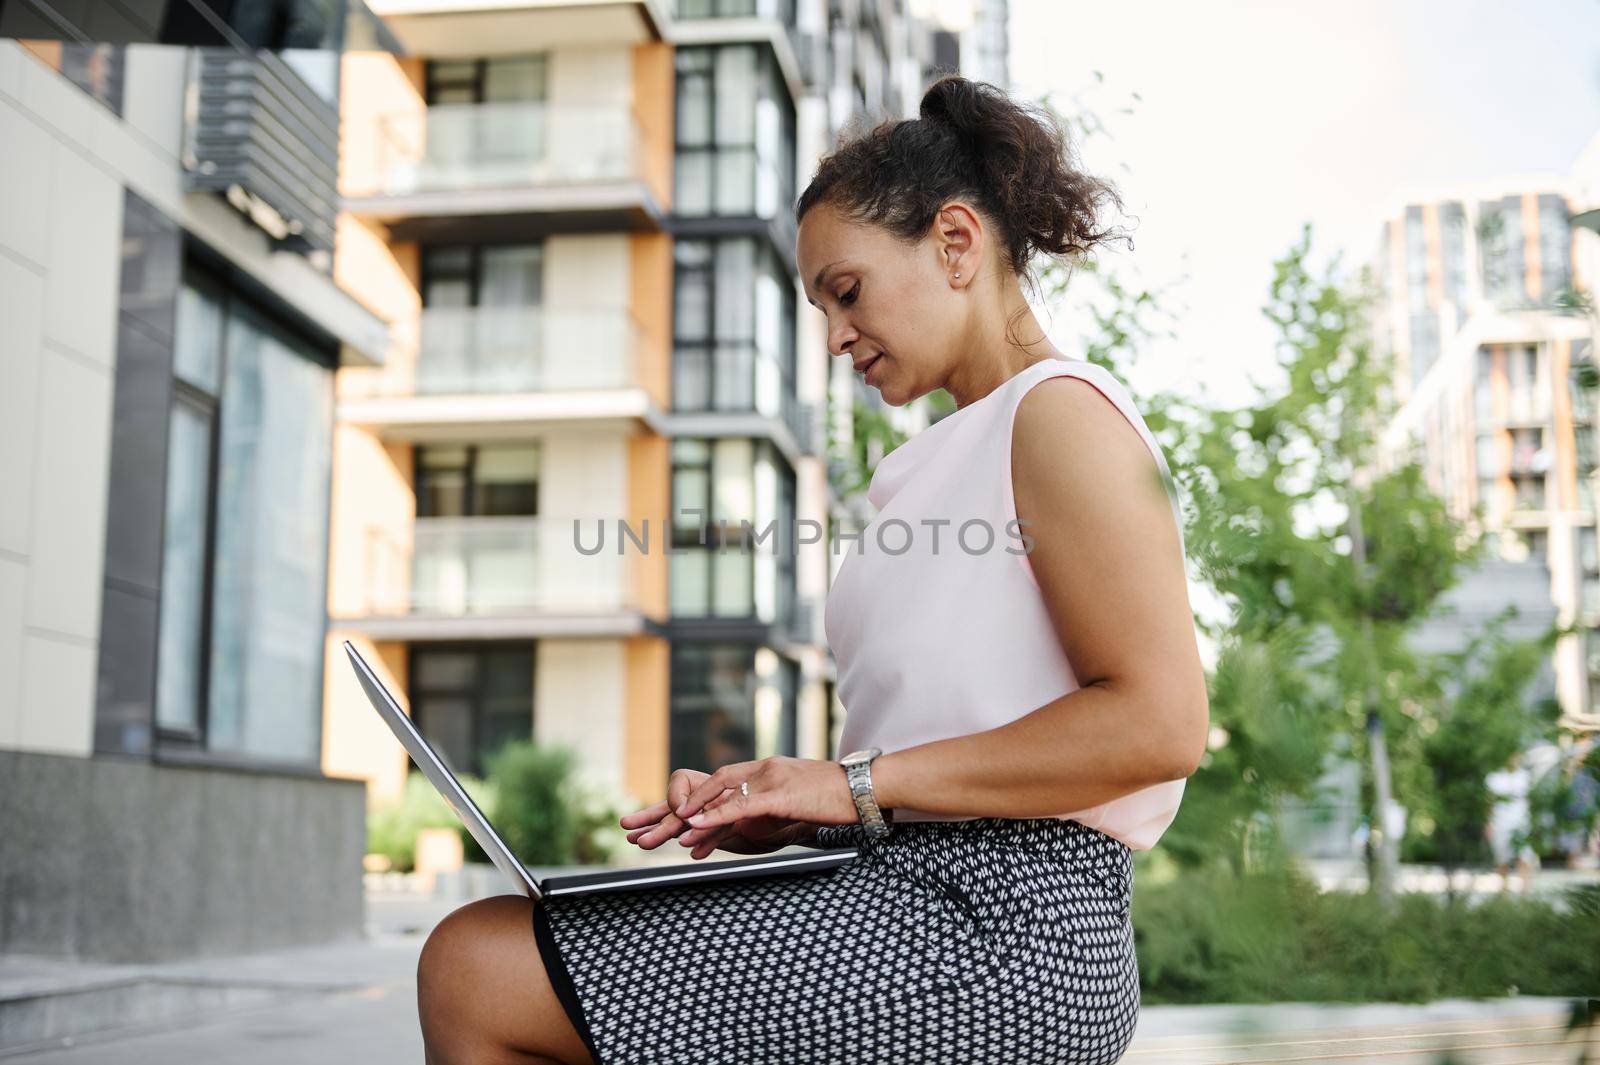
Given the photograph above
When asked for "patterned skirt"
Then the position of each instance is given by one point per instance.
(982, 940)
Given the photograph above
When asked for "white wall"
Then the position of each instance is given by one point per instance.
(60, 242)
(578, 700)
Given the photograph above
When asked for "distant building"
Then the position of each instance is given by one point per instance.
(1482, 306)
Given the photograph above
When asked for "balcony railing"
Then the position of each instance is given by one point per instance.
(502, 350)
(501, 565)
(450, 147)
(254, 125)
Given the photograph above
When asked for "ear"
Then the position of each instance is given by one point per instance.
(958, 238)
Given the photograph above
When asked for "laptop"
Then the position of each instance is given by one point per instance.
(695, 871)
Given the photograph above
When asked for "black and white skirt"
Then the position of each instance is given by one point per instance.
(984, 940)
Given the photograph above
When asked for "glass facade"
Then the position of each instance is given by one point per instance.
(735, 133)
(723, 712)
(1500, 244)
(733, 327)
(1453, 253)
(718, 567)
(239, 652)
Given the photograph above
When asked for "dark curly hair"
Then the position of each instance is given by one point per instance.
(972, 141)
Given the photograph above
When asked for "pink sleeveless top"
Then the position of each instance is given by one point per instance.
(935, 619)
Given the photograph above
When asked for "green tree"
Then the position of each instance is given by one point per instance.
(1330, 553)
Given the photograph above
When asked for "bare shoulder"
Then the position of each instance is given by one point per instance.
(1065, 426)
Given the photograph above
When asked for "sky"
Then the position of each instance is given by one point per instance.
(1254, 118)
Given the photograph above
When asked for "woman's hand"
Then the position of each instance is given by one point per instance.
(656, 824)
(787, 797)
(781, 789)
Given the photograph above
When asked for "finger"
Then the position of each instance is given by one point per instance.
(690, 835)
(648, 815)
(703, 792)
(713, 841)
(738, 806)
(714, 785)
(680, 784)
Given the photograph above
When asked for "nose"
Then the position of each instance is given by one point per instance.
(840, 338)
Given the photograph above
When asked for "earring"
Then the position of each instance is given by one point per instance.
(958, 275)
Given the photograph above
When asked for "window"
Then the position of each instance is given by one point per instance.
(731, 702)
(476, 541)
(486, 121)
(1453, 252)
(477, 480)
(734, 133)
(1416, 243)
(782, 10)
(1482, 388)
(733, 327)
(508, 275)
(1424, 344)
(502, 79)
(1500, 243)
(243, 597)
(481, 320)
(470, 700)
(718, 567)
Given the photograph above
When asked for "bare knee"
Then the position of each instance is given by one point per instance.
(482, 991)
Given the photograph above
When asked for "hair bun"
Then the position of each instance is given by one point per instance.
(957, 103)
(972, 140)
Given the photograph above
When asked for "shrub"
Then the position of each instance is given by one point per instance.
(392, 827)
(1272, 936)
(546, 815)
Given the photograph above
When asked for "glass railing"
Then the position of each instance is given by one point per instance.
(506, 145)
(500, 350)
(502, 565)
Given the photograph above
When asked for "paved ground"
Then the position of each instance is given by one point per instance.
(356, 1002)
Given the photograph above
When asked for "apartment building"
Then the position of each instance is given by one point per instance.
(170, 330)
(579, 222)
(1482, 307)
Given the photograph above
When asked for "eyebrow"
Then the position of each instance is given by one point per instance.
(817, 281)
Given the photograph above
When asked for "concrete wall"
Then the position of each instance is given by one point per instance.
(128, 861)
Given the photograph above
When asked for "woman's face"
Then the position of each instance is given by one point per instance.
(890, 307)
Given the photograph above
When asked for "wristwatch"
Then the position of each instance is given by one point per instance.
(858, 772)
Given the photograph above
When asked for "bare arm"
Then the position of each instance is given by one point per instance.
(1108, 561)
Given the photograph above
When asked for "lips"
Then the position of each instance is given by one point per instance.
(863, 367)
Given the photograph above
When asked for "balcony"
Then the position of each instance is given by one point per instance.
(524, 168)
(488, 577)
(435, 27)
(258, 134)
(479, 367)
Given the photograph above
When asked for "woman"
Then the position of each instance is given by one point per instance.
(1013, 629)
